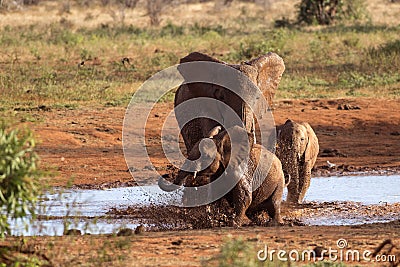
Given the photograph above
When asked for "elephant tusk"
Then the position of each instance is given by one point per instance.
(214, 131)
(194, 174)
(287, 178)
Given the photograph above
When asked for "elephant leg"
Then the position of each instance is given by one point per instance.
(304, 182)
(273, 206)
(241, 201)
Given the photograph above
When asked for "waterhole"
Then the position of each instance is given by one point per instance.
(344, 200)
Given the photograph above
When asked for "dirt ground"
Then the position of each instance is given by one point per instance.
(85, 145)
(202, 247)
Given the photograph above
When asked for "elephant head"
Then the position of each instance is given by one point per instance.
(297, 148)
(265, 72)
(210, 158)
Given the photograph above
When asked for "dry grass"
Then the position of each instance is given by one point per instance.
(48, 12)
(42, 46)
(384, 12)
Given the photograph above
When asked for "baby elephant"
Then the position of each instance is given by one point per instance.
(257, 185)
(297, 148)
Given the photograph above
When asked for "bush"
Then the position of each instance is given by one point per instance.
(273, 41)
(325, 12)
(154, 10)
(10, 5)
(19, 175)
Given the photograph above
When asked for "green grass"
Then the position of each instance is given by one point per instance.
(40, 63)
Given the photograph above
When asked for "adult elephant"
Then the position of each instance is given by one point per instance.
(265, 72)
(297, 148)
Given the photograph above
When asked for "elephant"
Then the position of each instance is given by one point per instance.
(265, 72)
(259, 185)
(297, 148)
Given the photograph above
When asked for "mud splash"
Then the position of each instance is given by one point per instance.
(348, 200)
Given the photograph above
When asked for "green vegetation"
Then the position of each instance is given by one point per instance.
(63, 65)
(19, 185)
(326, 12)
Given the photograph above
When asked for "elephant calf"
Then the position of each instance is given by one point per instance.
(259, 184)
(297, 148)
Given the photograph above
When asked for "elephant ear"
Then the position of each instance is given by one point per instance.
(270, 68)
(284, 128)
(312, 148)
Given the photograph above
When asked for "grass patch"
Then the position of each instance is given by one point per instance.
(59, 66)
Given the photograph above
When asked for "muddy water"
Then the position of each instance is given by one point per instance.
(87, 209)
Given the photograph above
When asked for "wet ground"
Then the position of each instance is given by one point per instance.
(347, 200)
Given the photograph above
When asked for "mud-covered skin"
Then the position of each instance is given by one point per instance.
(267, 180)
(297, 148)
(265, 72)
(268, 196)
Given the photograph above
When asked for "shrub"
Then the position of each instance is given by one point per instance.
(11, 5)
(273, 41)
(154, 10)
(19, 175)
(325, 12)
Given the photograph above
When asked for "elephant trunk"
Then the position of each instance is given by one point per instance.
(167, 186)
(180, 178)
(287, 178)
(247, 116)
(290, 166)
(293, 186)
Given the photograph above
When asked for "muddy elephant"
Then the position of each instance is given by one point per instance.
(265, 72)
(255, 188)
(297, 148)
